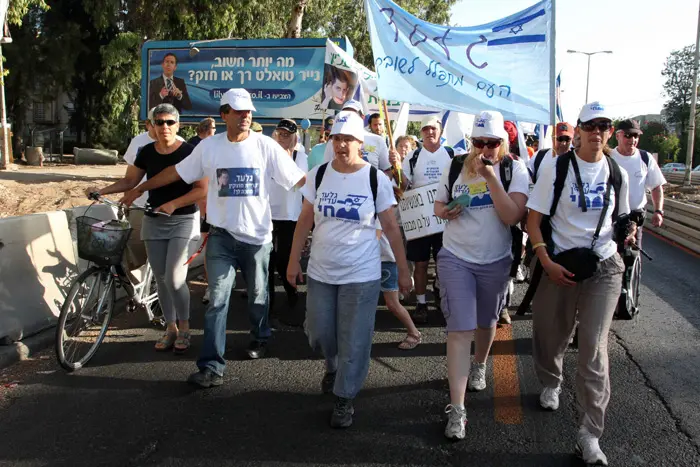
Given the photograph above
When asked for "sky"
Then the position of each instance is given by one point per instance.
(641, 34)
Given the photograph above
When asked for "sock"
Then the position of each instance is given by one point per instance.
(421, 299)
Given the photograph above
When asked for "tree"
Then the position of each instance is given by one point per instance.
(678, 72)
(294, 27)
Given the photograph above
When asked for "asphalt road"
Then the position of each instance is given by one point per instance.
(130, 406)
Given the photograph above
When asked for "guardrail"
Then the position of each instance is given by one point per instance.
(681, 223)
(678, 177)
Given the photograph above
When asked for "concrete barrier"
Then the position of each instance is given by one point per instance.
(37, 266)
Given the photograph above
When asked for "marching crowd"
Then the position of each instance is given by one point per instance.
(580, 204)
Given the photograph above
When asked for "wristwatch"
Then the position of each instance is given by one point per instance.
(660, 212)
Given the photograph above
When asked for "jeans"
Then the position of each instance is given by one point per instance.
(282, 237)
(340, 322)
(224, 255)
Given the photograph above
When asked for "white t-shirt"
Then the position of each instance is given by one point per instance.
(286, 204)
(374, 151)
(547, 158)
(239, 203)
(641, 177)
(344, 245)
(478, 235)
(139, 141)
(573, 228)
(429, 167)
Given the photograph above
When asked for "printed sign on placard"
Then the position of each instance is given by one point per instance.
(417, 213)
(238, 181)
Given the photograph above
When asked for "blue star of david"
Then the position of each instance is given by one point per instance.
(516, 29)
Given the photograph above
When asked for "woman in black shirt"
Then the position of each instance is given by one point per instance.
(168, 239)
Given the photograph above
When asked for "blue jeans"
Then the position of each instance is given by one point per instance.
(340, 322)
(224, 255)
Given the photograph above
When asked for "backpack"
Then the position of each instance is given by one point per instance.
(645, 157)
(505, 170)
(562, 170)
(628, 303)
(538, 161)
(372, 181)
(414, 158)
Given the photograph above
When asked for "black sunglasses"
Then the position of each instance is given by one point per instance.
(160, 122)
(631, 135)
(563, 139)
(591, 126)
(480, 144)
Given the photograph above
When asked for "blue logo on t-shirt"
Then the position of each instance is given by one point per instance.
(594, 197)
(341, 207)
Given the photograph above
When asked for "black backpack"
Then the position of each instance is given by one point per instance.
(562, 170)
(414, 158)
(372, 181)
(506, 172)
(538, 161)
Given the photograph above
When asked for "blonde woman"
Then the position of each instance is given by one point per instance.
(475, 260)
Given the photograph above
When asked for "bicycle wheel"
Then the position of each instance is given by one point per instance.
(85, 317)
(151, 302)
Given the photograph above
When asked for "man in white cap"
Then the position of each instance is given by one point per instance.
(425, 167)
(374, 148)
(584, 272)
(241, 223)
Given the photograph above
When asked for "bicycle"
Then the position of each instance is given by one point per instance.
(89, 306)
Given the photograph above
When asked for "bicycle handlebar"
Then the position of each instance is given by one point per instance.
(148, 209)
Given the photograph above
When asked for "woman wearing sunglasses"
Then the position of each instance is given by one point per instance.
(583, 270)
(475, 261)
(169, 238)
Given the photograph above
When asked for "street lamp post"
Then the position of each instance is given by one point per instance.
(589, 54)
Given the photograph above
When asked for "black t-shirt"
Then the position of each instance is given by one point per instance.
(153, 163)
(195, 140)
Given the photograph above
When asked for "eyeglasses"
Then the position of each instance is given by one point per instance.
(563, 139)
(630, 135)
(160, 122)
(591, 126)
(480, 144)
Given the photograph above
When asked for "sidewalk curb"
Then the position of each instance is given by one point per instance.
(26, 348)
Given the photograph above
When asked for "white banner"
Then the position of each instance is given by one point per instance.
(417, 212)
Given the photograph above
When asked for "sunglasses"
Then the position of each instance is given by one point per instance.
(160, 122)
(563, 139)
(591, 126)
(630, 135)
(480, 144)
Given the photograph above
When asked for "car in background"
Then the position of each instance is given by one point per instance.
(673, 167)
(697, 168)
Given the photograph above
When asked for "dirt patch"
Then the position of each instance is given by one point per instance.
(19, 198)
(683, 194)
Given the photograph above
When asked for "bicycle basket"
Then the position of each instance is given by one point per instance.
(102, 242)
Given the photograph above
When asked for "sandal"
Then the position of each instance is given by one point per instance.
(410, 342)
(166, 342)
(182, 343)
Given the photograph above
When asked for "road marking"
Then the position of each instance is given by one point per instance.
(672, 243)
(506, 383)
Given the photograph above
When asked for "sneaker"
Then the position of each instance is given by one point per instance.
(257, 349)
(588, 448)
(521, 274)
(477, 377)
(205, 298)
(327, 383)
(549, 398)
(504, 318)
(205, 378)
(420, 314)
(456, 423)
(342, 413)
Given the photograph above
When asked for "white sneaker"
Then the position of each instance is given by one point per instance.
(588, 449)
(477, 377)
(205, 298)
(456, 423)
(549, 398)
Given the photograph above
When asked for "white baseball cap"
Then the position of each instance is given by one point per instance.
(237, 99)
(349, 123)
(489, 124)
(431, 120)
(592, 111)
(354, 105)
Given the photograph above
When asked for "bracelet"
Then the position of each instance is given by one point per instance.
(659, 211)
(537, 245)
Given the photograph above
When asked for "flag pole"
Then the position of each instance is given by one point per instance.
(390, 133)
(553, 74)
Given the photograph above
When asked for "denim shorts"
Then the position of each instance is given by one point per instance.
(390, 277)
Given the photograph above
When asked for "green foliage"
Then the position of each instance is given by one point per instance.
(187, 131)
(678, 72)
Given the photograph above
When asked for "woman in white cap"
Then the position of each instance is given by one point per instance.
(575, 229)
(285, 207)
(475, 260)
(344, 198)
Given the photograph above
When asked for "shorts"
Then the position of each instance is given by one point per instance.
(204, 227)
(390, 277)
(472, 295)
(418, 250)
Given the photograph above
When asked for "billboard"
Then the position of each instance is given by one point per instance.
(283, 76)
